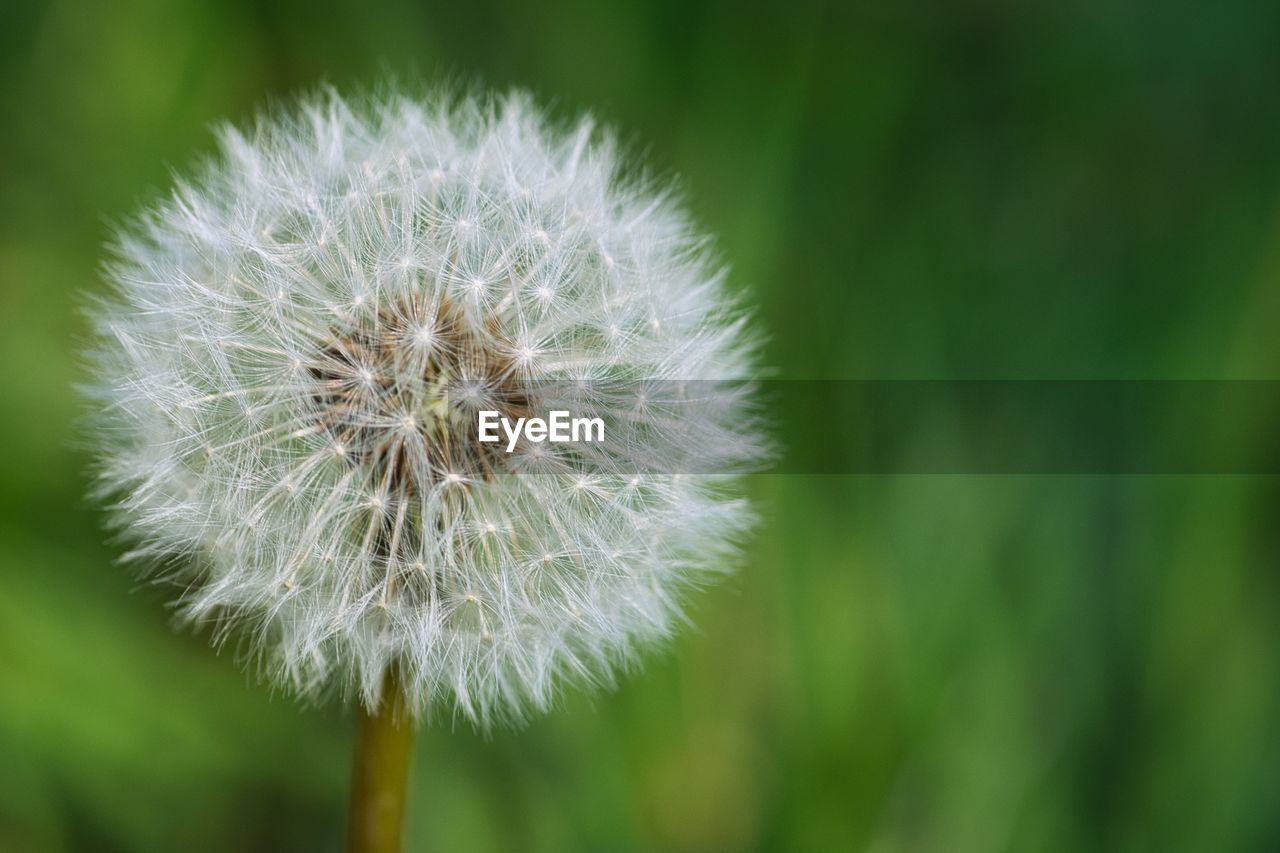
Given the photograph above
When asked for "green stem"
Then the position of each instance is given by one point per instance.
(380, 773)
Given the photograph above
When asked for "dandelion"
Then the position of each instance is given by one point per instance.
(287, 377)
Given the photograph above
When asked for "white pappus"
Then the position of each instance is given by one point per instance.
(287, 372)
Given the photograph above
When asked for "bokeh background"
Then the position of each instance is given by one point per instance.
(990, 189)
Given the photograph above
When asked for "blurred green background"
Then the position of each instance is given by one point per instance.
(966, 663)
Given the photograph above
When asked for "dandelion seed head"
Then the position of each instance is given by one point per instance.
(288, 372)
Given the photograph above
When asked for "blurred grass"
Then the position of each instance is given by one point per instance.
(975, 189)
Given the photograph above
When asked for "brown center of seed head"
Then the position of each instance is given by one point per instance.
(400, 392)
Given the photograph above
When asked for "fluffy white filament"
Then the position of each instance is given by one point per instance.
(287, 376)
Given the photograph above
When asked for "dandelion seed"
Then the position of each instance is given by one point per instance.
(335, 436)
